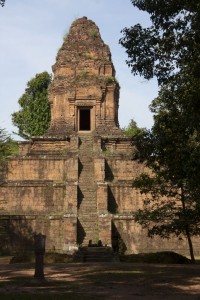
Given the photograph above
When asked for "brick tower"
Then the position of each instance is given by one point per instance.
(84, 93)
(74, 184)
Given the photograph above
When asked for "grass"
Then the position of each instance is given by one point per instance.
(48, 258)
(165, 257)
(68, 296)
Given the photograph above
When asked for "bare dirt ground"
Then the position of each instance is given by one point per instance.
(102, 281)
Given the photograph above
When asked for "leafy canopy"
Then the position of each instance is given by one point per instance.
(2, 2)
(171, 151)
(7, 146)
(170, 50)
(170, 44)
(34, 116)
(132, 129)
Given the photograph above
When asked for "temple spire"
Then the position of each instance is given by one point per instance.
(84, 93)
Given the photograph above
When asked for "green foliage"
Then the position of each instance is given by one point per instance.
(132, 129)
(169, 49)
(8, 146)
(93, 33)
(33, 118)
(172, 41)
(171, 150)
(111, 79)
(2, 2)
(165, 257)
(83, 74)
(88, 55)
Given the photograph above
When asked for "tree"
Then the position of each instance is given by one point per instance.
(172, 154)
(132, 129)
(33, 118)
(170, 51)
(8, 147)
(170, 44)
(2, 2)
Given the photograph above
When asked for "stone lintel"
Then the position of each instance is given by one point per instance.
(25, 183)
(70, 215)
(8, 216)
(85, 103)
(121, 183)
(127, 216)
(51, 138)
(116, 139)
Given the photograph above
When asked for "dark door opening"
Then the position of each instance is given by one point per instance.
(84, 119)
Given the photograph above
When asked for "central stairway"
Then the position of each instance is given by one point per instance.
(87, 228)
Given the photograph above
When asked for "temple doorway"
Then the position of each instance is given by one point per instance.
(85, 119)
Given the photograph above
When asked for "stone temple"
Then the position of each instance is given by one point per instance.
(74, 184)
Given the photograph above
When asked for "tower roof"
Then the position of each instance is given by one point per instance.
(82, 42)
(84, 76)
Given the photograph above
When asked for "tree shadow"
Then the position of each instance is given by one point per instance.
(16, 235)
(105, 281)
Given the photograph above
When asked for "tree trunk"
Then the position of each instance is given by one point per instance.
(190, 243)
(187, 227)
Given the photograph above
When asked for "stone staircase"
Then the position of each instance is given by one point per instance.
(87, 206)
(95, 254)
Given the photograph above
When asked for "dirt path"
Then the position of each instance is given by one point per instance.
(105, 281)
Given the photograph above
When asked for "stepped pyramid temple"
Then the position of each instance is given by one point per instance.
(74, 184)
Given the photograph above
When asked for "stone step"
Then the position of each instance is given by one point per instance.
(86, 194)
(87, 220)
(86, 179)
(88, 204)
(87, 197)
(95, 254)
(83, 217)
(87, 211)
(84, 198)
(82, 212)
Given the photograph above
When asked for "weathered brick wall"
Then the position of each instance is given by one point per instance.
(136, 240)
(30, 199)
(57, 169)
(122, 198)
(123, 168)
(39, 195)
(44, 189)
(123, 201)
(17, 233)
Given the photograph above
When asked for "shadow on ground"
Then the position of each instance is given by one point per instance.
(101, 281)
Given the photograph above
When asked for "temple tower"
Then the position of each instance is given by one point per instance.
(84, 93)
(74, 184)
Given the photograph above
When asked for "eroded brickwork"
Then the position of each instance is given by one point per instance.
(75, 183)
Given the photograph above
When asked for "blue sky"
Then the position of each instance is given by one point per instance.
(31, 32)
